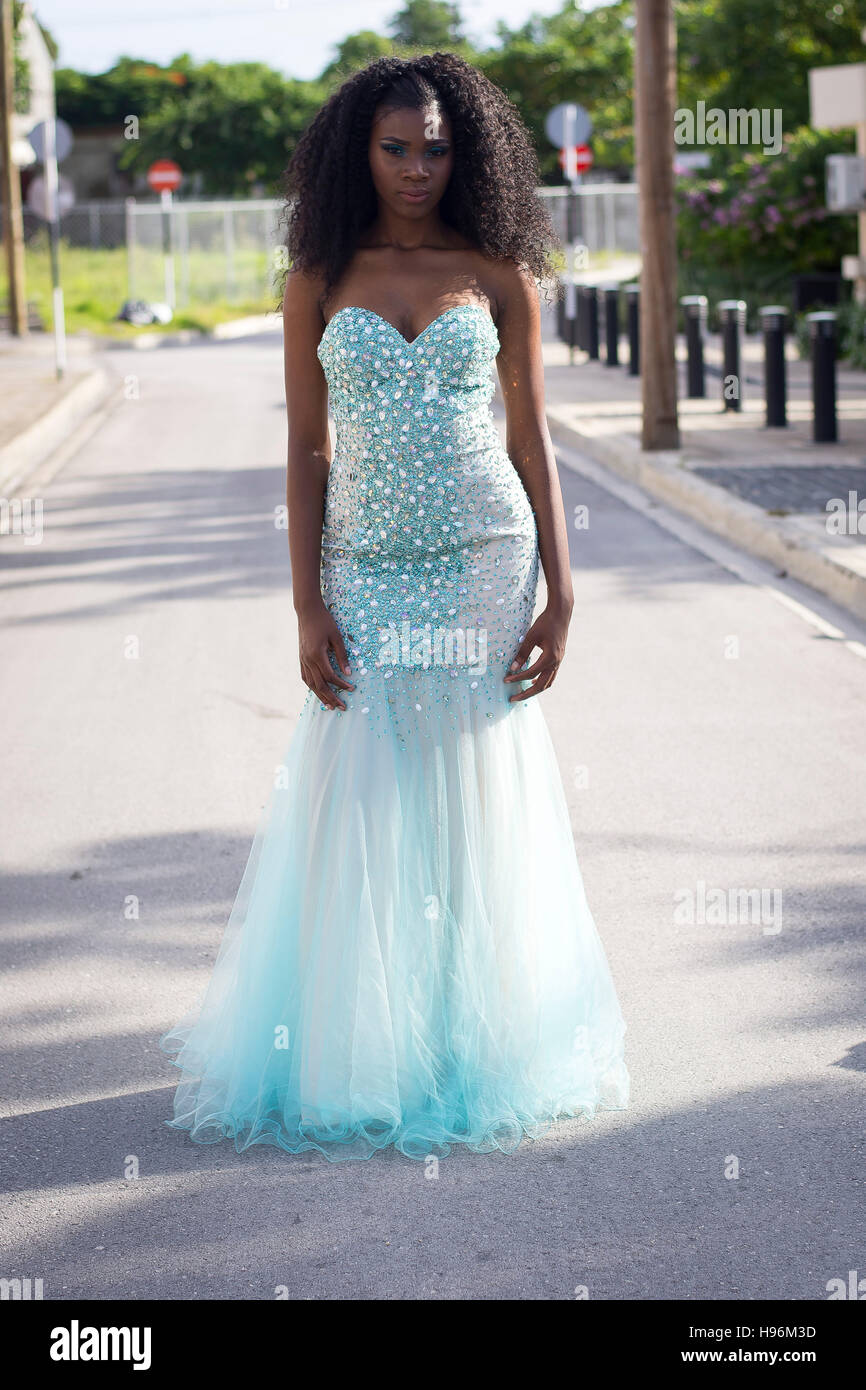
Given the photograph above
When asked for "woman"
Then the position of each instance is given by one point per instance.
(410, 959)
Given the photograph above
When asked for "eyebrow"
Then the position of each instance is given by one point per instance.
(399, 140)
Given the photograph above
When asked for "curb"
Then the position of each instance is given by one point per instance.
(22, 455)
(182, 337)
(663, 475)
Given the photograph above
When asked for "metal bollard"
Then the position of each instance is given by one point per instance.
(566, 314)
(774, 318)
(822, 331)
(582, 314)
(732, 313)
(695, 318)
(591, 303)
(610, 297)
(632, 300)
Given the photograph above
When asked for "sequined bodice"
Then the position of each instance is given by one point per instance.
(447, 367)
(428, 534)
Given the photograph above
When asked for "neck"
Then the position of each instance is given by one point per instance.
(404, 233)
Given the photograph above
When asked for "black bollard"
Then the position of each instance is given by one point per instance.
(610, 298)
(732, 314)
(695, 319)
(774, 318)
(591, 302)
(632, 300)
(566, 314)
(582, 315)
(822, 331)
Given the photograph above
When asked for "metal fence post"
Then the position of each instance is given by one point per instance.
(129, 217)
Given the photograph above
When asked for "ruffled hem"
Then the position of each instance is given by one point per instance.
(419, 1137)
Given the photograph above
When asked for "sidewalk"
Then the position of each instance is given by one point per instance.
(766, 490)
(38, 413)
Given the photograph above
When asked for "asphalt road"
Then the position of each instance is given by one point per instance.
(709, 732)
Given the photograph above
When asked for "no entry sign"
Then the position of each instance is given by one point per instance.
(582, 158)
(164, 176)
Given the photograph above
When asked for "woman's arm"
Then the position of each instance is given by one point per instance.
(521, 375)
(309, 458)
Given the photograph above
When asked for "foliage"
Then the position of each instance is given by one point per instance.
(747, 234)
(736, 53)
(230, 123)
(579, 56)
(428, 25)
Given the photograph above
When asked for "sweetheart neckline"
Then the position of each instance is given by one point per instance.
(359, 308)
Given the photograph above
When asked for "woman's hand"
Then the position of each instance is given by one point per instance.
(318, 636)
(549, 632)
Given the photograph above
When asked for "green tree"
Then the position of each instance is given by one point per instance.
(356, 52)
(735, 53)
(132, 87)
(429, 24)
(577, 55)
(234, 124)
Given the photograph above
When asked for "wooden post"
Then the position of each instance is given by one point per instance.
(860, 282)
(10, 194)
(655, 102)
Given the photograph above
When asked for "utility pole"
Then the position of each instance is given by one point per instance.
(10, 193)
(655, 102)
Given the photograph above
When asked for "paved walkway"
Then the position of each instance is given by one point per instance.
(768, 489)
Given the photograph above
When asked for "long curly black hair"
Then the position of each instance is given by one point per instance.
(490, 197)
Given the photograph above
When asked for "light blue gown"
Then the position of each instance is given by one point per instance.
(410, 958)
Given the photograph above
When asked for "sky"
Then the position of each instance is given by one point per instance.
(296, 37)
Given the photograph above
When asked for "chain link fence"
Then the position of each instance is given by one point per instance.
(604, 216)
(203, 252)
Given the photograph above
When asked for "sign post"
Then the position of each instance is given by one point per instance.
(569, 126)
(164, 176)
(51, 141)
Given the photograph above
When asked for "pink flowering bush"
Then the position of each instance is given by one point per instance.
(746, 232)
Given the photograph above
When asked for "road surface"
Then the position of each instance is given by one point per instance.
(712, 741)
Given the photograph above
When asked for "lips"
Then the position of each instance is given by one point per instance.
(415, 197)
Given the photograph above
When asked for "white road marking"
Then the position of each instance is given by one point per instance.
(805, 603)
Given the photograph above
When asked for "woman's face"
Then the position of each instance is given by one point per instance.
(411, 158)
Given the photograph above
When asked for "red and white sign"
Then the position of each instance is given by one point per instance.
(582, 157)
(164, 176)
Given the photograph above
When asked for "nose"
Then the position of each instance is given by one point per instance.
(416, 172)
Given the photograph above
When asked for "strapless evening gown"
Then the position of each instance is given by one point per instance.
(410, 958)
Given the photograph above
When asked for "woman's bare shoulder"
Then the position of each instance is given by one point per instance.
(508, 283)
(303, 293)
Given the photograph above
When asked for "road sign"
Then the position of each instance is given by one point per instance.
(62, 140)
(567, 124)
(39, 197)
(164, 176)
(582, 158)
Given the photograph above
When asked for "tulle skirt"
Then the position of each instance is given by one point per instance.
(410, 959)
